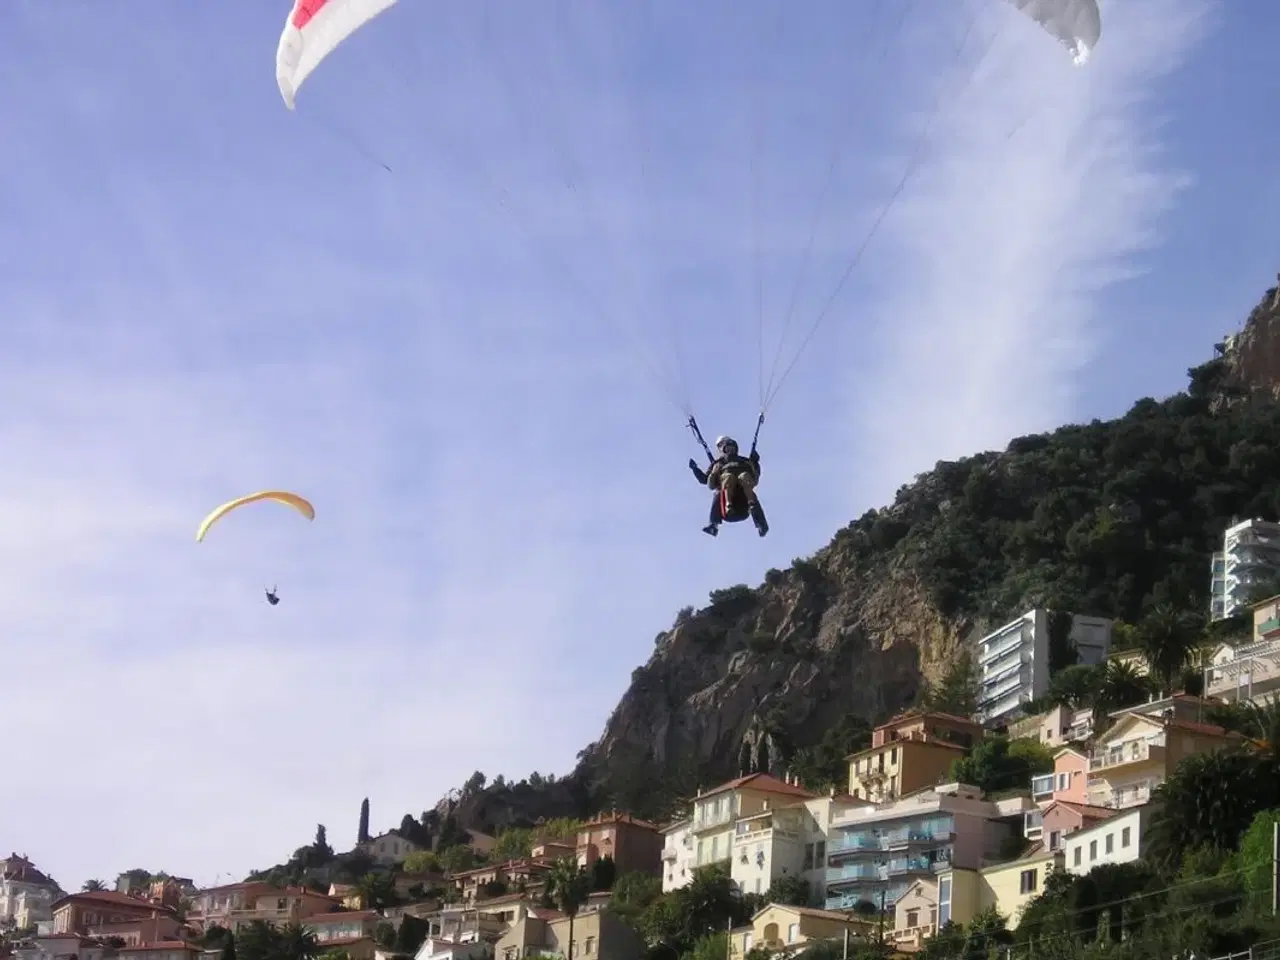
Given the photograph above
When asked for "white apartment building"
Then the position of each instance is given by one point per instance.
(1013, 661)
(26, 894)
(1118, 839)
(1249, 670)
(679, 856)
(1249, 559)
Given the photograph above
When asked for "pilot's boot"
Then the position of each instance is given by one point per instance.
(757, 516)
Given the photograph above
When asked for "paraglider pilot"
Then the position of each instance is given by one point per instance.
(734, 479)
(271, 596)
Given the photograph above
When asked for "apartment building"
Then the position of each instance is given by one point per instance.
(1121, 838)
(1249, 560)
(1013, 661)
(679, 855)
(26, 894)
(716, 812)
(1056, 727)
(908, 753)
(635, 845)
(1249, 670)
(1008, 887)
(1138, 752)
(877, 851)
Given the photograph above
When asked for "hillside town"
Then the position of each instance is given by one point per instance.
(906, 848)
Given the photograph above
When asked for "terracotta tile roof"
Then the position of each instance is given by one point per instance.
(161, 945)
(115, 900)
(763, 782)
(1208, 729)
(894, 744)
(614, 817)
(340, 916)
(816, 912)
(542, 913)
(21, 870)
(907, 717)
(1086, 810)
(343, 941)
(256, 887)
(500, 901)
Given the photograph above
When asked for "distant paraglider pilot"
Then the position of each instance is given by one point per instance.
(271, 596)
(734, 478)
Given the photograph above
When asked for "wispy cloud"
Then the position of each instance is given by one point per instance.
(204, 295)
(1044, 184)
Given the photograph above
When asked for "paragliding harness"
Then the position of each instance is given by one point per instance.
(272, 598)
(735, 506)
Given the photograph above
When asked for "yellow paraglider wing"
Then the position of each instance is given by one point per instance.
(279, 496)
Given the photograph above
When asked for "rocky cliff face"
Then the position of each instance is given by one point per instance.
(1252, 356)
(824, 639)
(1108, 518)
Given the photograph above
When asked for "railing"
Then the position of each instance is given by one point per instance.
(762, 834)
(1127, 753)
(712, 820)
(898, 868)
(1265, 950)
(850, 844)
(919, 931)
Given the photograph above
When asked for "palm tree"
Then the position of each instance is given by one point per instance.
(1167, 638)
(569, 886)
(93, 886)
(1119, 685)
(297, 943)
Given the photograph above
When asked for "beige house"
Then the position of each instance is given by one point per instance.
(915, 914)
(599, 935)
(779, 927)
(239, 904)
(389, 848)
(1138, 752)
(1008, 887)
(716, 812)
(351, 932)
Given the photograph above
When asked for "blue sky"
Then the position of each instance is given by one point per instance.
(204, 295)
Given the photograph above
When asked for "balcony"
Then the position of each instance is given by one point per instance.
(1132, 752)
(762, 834)
(857, 871)
(709, 820)
(1269, 625)
(909, 866)
(853, 843)
(1042, 787)
(1033, 824)
(1123, 797)
(917, 934)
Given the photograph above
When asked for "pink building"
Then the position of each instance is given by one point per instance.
(1069, 780)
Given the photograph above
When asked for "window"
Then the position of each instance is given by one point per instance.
(944, 901)
(820, 854)
(913, 918)
(1062, 781)
(746, 942)
(893, 755)
(793, 930)
(1055, 838)
(757, 885)
(1110, 842)
(1093, 850)
(591, 946)
(808, 857)
(1027, 882)
(715, 849)
(1075, 856)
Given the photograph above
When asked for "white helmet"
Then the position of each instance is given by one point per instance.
(722, 442)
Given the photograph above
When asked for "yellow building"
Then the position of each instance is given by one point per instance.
(899, 767)
(777, 927)
(715, 812)
(1138, 752)
(1008, 887)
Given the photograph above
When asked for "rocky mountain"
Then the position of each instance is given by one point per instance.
(1112, 518)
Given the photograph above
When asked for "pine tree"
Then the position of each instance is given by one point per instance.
(362, 835)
